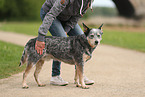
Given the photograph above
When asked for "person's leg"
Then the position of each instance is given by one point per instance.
(56, 29)
(74, 32)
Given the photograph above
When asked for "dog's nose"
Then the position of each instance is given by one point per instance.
(96, 42)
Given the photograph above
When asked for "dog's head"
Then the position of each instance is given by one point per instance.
(94, 35)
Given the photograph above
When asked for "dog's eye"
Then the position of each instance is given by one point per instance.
(91, 36)
(98, 36)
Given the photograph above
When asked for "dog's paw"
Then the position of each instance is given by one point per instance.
(78, 85)
(41, 85)
(25, 87)
(85, 87)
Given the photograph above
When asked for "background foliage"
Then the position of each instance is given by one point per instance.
(30, 10)
(20, 9)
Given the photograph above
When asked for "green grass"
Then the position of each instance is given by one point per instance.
(29, 28)
(10, 55)
(125, 39)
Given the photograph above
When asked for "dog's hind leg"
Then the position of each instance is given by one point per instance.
(79, 68)
(37, 71)
(25, 74)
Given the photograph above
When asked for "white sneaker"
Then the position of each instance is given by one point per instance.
(57, 80)
(87, 81)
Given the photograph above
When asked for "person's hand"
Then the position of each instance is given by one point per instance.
(39, 46)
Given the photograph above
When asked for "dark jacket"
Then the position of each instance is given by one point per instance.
(68, 11)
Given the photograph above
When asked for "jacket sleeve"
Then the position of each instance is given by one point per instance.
(56, 9)
(71, 23)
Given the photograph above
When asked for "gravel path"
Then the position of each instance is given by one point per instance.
(117, 72)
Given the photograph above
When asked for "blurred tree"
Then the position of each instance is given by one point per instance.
(20, 9)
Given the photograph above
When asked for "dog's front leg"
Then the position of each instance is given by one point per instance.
(77, 79)
(79, 68)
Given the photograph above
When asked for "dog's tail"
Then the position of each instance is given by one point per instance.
(23, 58)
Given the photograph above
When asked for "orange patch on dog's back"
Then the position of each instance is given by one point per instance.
(62, 1)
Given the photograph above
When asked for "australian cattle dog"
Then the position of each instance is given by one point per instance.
(75, 50)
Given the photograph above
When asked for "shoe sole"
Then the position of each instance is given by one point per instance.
(58, 84)
(89, 83)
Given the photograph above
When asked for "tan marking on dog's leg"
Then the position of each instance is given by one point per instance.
(37, 71)
(81, 78)
(77, 79)
(25, 74)
(84, 57)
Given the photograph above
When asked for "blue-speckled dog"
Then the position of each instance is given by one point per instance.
(74, 50)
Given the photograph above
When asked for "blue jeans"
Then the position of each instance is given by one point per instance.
(56, 29)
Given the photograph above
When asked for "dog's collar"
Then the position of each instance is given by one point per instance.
(88, 55)
(86, 45)
(89, 52)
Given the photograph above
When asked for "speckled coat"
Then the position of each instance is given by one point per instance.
(72, 50)
(67, 49)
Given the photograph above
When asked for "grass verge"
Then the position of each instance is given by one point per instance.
(10, 55)
(29, 28)
(125, 39)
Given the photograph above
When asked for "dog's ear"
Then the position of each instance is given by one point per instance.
(86, 29)
(101, 28)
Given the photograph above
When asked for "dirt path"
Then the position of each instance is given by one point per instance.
(117, 72)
